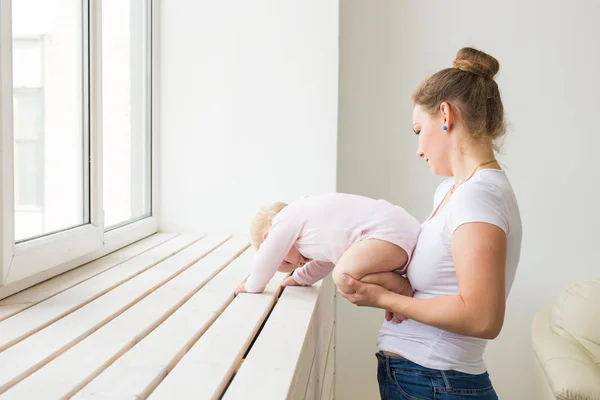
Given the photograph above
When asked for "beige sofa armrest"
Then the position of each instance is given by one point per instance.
(568, 369)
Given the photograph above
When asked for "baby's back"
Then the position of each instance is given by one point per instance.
(333, 222)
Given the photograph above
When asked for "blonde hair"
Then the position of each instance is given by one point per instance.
(262, 222)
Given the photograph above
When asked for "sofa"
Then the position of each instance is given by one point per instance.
(566, 345)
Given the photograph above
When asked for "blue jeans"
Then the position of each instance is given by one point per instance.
(400, 379)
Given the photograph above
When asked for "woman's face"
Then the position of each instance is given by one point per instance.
(434, 142)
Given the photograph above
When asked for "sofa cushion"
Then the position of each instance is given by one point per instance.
(576, 315)
(561, 365)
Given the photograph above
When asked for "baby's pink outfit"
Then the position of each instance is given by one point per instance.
(322, 228)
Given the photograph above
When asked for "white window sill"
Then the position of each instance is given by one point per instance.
(23, 278)
(159, 318)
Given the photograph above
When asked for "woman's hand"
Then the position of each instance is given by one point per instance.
(367, 294)
(397, 318)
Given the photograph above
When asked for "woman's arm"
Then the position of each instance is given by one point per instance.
(479, 253)
(392, 281)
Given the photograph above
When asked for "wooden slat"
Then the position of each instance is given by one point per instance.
(313, 381)
(327, 391)
(305, 365)
(207, 368)
(33, 319)
(147, 363)
(319, 370)
(312, 359)
(326, 321)
(27, 356)
(69, 372)
(269, 369)
(42, 291)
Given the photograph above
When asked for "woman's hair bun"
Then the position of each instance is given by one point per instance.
(476, 62)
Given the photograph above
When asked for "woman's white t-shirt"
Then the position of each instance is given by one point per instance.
(486, 197)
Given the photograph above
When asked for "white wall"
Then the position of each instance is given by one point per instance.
(549, 59)
(248, 100)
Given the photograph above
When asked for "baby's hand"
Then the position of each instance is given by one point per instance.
(290, 281)
(240, 289)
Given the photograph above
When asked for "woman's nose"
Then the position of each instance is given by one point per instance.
(420, 154)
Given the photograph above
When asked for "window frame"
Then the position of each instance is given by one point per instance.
(26, 263)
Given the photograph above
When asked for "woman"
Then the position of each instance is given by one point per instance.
(431, 345)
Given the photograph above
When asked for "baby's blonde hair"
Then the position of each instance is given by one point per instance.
(262, 222)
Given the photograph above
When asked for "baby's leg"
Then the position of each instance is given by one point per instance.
(368, 257)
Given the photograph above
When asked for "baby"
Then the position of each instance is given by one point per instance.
(367, 239)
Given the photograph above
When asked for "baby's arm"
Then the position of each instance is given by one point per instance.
(312, 272)
(282, 236)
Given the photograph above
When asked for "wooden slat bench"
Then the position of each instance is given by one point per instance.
(158, 320)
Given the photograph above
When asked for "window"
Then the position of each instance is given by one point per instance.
(49, 151)
(28, 106)
(76, 130)
(28, 123)
(49, 117)
(126, 111)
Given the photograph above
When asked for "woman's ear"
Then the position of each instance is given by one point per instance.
(265, 235)
(448, 115)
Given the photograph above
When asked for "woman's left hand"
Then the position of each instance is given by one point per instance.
(367, 294)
